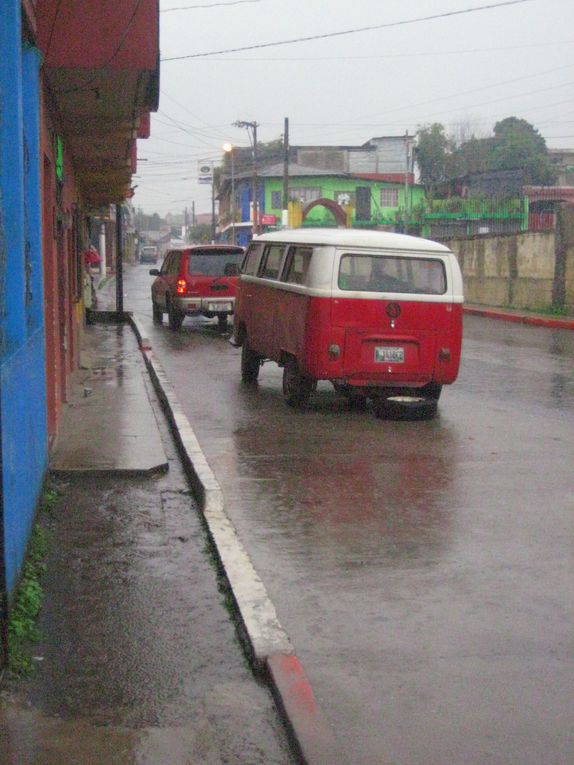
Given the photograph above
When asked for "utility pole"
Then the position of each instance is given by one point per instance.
(212, 211)
(228, 149)
(253, 127)
(285, 215)
(119, 263)
(407, 157)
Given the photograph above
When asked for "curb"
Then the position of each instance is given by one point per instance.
(267, 643)
(519, 318)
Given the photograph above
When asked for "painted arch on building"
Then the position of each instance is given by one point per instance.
(338, 212)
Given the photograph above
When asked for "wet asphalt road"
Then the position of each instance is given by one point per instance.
(423, 570)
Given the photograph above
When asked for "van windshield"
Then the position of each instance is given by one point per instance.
(388, 273)
(214, 263)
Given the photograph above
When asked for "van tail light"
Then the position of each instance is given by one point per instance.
(444, 354)
(181, 288)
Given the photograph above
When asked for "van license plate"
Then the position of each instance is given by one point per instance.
(219, 307)
(389, 355)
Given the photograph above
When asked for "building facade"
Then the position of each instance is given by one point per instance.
(77, 83)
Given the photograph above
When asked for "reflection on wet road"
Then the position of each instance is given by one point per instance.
(421, 569)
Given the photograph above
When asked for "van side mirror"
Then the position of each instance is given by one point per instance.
(154, 272)
(230, 269)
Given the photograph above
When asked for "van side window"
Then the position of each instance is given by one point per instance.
(387, 273)
(298, 264)
(271, 262)
(251, 259)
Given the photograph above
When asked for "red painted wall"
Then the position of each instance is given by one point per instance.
(116, 34)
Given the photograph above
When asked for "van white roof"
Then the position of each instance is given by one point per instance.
(348, 237)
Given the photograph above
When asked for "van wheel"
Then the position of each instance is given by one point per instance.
(297, 387)
(157, 313)
(222, 321)
(174, 317)
(432, 390)
(250, 363)
(410, 406)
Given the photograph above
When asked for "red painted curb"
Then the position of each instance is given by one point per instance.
(294, 695)
(536, 321)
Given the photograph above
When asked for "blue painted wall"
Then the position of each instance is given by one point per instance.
(23, 423)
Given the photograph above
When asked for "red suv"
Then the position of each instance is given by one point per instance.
(197, 280)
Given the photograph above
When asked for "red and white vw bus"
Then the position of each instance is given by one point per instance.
(377, 314)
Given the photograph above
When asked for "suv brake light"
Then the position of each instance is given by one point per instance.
(181, 288)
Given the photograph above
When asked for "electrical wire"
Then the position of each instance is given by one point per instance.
(350, 31)
(420, 54)
(53, 27)
(211, 5)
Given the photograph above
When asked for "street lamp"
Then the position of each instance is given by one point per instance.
(228, 149)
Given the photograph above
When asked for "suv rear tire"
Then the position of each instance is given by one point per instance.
(157, 313)
(175, 318)
(250, 363)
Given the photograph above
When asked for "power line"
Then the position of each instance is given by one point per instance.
(211, 5)
(378, 56)
(350, 31)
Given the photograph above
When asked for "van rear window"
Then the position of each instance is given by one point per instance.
(387, 273)
(214, 263)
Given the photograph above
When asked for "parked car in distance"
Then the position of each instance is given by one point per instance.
(148, 254)
(377, 314)
(199, 280)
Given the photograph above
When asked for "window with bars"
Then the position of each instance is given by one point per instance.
(389, 198)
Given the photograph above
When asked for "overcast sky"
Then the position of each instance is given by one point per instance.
(470, 68)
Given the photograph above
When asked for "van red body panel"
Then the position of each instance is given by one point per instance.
(356, 338)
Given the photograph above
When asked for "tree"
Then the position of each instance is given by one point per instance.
(514, 145)
(267, 154)
(434, 154)
(474, 155)
(200, 234)
(517, 144)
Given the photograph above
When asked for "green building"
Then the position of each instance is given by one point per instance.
(319, 197)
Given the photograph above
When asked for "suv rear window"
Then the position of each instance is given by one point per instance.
(386, 273)
(214, 263)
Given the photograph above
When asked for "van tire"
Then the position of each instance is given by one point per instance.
(175, 318)
(393, 408)
(431, 390)
(250, 363)
(157, 313)
(297, 387)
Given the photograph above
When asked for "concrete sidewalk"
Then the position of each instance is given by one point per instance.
(108, 423)
(520, 317)
(139, 661)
